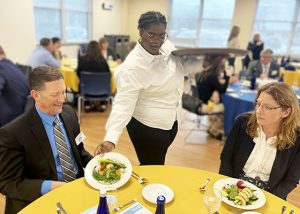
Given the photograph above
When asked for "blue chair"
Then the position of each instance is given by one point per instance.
(93, 87)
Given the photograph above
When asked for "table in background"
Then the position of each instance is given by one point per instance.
(241, 100)
(78, 196)
(291, 77)
(72, 81)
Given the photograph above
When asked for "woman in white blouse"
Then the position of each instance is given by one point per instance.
(264, 147)
(149, 90)
(233, 42)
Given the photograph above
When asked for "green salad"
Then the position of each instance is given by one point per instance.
(108, 171)
(239, 193)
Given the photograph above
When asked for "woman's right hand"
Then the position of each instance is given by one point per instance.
(104, 147)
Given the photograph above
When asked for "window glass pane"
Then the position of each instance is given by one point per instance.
(214, 33)
(274, 34)
(216, 9)
(47, 3)
(81, 5)
(47, 23)
(275, 10)
(77, 26)
(183, 25)
(295, 48)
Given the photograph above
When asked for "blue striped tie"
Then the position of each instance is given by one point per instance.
(63, 153)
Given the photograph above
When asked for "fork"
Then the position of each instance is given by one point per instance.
(140, 177)
(116, 209)
(59, 205)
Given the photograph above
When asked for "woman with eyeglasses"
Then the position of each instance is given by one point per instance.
(149, 89)
(263, 147)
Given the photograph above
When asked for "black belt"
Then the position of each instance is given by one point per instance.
(259, 183)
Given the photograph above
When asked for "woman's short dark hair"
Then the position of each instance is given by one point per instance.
(150, 18)
(55, 39)
(41, 75)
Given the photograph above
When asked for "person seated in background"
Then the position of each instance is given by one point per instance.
(211, 84)
(42, 55)
(56, 46)
(92, 61)
(40, 150)
(14, 90)
(263, 147)
(107, 52)
(265, 67)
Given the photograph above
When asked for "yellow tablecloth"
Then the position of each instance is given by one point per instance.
(71, 79)
(291, 77)
(78, 196)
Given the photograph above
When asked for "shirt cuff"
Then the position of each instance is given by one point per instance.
(112, 137)
(46, 186)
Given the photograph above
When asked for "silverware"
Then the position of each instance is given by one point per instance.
(61, 209)
(140, 179)
(116, 209)
(203, 187)
(292, 212)
(58, 210)
(283, 209)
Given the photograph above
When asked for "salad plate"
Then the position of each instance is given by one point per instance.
(152, 191)
(227, 185)
(110, 171)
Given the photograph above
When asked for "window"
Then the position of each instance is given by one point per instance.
(278, 23)
(202, 23)
(66, 19)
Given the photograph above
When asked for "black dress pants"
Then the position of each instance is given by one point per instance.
(150, 144)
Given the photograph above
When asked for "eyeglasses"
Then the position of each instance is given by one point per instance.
(161, 37)
(265, 107)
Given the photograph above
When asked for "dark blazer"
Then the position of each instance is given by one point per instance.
(13, 91)
(285, 173)
(255, 49)
(26, 158)
(256, 67)
(92, 66)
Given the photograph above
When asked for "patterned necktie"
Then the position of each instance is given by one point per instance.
(63, 153)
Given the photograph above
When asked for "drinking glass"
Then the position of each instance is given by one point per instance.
(112, 198)
(212, 200)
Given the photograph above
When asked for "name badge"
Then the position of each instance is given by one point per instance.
(274, 72)
(80, 138)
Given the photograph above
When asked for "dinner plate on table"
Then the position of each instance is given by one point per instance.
(218, 185)
(125, 175)
(152, 191)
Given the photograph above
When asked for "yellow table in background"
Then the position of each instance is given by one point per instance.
(291, 77)
(78, 196)
(72, 81)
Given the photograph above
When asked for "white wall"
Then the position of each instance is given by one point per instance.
(17, 35)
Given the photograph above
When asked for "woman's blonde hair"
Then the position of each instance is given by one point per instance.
(285, 96)
(235, 30)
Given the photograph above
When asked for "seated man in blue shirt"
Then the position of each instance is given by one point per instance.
(42, 149)
(42, 55)
(13, 90)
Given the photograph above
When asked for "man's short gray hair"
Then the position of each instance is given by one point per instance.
(266, 51)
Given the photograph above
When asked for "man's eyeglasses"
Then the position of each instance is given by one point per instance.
(265, 107)
(161, 37)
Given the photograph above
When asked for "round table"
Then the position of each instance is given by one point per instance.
(238, 100)
(78, 196)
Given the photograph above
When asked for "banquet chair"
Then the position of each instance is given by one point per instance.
(93, 87)
(26, 69)
(193, 104)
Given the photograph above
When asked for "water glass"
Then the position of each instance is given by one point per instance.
(212, 200)
(112, 198)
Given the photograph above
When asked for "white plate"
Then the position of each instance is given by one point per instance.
(88, 172)
(255, 205)
(151, 191)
